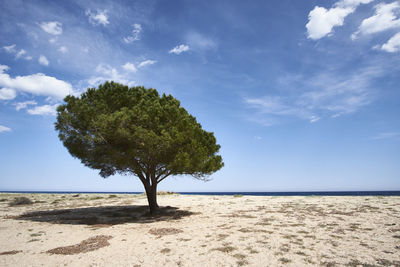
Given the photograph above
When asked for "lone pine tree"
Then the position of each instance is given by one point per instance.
(135, 131)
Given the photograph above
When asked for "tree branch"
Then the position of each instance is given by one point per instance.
(98, 132)
(168, 174)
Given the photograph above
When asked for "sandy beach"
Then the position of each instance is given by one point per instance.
(115, 230)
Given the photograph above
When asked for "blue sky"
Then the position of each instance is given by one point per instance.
(301, 95)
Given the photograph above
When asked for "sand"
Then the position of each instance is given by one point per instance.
(99, 230)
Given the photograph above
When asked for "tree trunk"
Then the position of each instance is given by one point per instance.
(151, 193)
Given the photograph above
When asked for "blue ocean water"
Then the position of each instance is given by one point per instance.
(311, 193)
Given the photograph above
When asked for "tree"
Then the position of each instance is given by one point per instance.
(134, 131)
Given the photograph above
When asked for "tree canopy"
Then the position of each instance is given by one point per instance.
(117, 129)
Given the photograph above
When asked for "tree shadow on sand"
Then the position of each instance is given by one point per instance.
(105, 215)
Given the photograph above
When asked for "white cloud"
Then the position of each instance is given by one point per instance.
(314, 118)
(63, 49)
(326, 94)
(43, 110)
(321, 21)
(23, 105)
(98, 18)
(179, 49)
(393, 45)
(107, 70)
(7, 94)
(53, 40)
(146, 63)
(135, 36)
(37, 84)
(10, 49)
(52, 27)
(129, 67)
(4, 129)
(43, 60)
(20, 53)
(383, 19)
(109, 73)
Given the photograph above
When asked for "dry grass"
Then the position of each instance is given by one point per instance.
(225, 249)
(251, 250)
(285, 260)
(246, 230)
(12, 252)
(301, 253)
(242, 262)
(164, 231)
(239, 256)
(165, 250)
(93, 243)
(222, 236)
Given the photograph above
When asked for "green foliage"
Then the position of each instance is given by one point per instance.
(117, 129)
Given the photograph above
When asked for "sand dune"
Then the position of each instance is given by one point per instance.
(103, 230)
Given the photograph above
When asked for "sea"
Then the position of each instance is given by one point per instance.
(308, 193)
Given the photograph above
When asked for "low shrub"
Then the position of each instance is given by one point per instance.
(21, 201)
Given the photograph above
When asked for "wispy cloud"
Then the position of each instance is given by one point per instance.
(179, 49)
(386, 135)
(135, 35)
(23, 105)
(321, 21)
(100, 17)
(147, 62)
(324, 95)
(270, 107)
(10, 49)
(20, 53)
(63, 49)
(52, 27)
(198, 41)
(36, 110)
(4, 129)
(44, 110)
